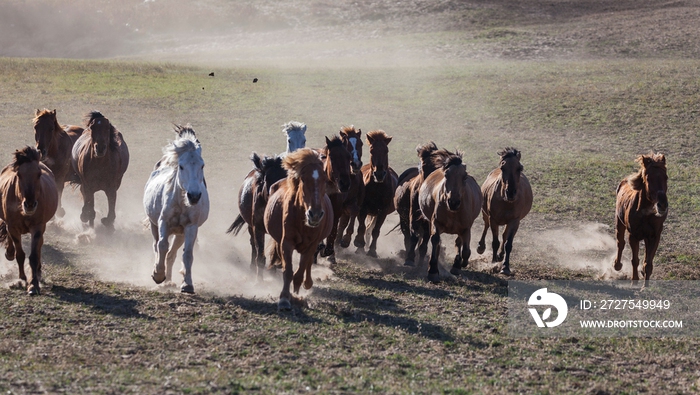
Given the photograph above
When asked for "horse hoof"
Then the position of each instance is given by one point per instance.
(344, 243)
(506, 271)
(187, 289)
(480, 249)
(500, 257)
(409, 263)
(326, 252)
(108, 223)
(455, 270)
(617, 266)
(372, 253)
(359, 243)
(33, 291)
(434, 278)
(308, 284)
(331, 259)
(157, 278)
(284, 304)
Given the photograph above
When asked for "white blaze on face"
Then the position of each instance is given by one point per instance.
(315, 176)
(353, 143)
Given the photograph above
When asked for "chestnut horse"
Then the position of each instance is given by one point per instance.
(507, 200)
(356, 194)
(640, 210)
(29, 198)
(336, 164)
(252, 199)
(55, 144)
(298, 216)
(100, 157)
(177, 203)
(380, 184)
(451, 200)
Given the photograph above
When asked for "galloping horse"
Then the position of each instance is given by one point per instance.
(640, 210)
(252, 199)
(450, 199)
(254, 192)
(55, 145)
(507, 200)
(177, 203)
(100, 158)
(298, 216)
(29, 198)
(336, 165)
(295, 135)
(356, 194)
(414, 225)
(380, 184)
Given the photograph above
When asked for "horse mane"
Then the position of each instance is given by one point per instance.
(21, 156)
(294, 126)
(297, 160)
(509, 152)
(348, 129)
(264, 165)
(452, 159)
(94, 115)
(431, 158)
(335, 142)
(636, 180)
(186, 142)
(378, 135)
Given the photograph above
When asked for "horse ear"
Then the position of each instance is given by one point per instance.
(53, 111)
(388, 140)
(646, 161)
(328, 142)
(359, 132)
(370, 140)
(518, 155)
(257, 162)
(662, 158)
(342, 133)
(36, 113)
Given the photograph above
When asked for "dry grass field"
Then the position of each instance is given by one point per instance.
(580, 87)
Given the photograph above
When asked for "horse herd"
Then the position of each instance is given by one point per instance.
(306, 200)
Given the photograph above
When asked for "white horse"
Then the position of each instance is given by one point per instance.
(295, 135)
(177, 203)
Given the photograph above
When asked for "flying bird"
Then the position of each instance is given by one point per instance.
(255, 80)
(211, 74)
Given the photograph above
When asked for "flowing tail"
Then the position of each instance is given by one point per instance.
(3, 231)
(236, 226)
(392, 229)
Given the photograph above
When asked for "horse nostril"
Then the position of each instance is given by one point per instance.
(194, 197)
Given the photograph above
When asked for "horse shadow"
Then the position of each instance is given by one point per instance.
(102, 303)
(269, 307)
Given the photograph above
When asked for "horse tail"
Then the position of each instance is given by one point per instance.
(236, 226)
(393, 229)
(274, 253)
(3, 231)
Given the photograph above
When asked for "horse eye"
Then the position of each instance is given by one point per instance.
(182, 168)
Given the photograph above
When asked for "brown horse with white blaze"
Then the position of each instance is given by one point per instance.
(507, 200)
(100, 158)
(29, 198)
(354, 197)
(298, 216)
(451, 200)
(55, 142)
(380, 184)
(640, 210)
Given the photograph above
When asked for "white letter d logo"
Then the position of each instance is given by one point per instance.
(543, 298)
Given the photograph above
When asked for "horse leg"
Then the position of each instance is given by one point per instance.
(162, 246)
(344, 241)
(620, 233)
(457, 264)
(433, 271)
(508, 236)
(18, 253)
(88, 211)
(495, 243)
(35, 262)
(108, 221)
(634, 245)
(260, 249)
(285, 250)
(482, 242)
(188, 258)
(253, 247)
(170, 257)
(329, 250)
(308, 281)
(651, 244)
(154, 232)
(60, 212)
(361, 230)
(375, 234)
(423, 248)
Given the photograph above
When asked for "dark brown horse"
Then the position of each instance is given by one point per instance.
(28, 200)
(414, 226)
(336, 164)
(298, 216)
(450, 199)
(380, 184)
(55, 144)
(640, 210)
(252, 199)
(507, 200)
(100, 157)
(356, 194)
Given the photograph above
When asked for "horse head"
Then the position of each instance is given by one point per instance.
(295, 135)
(270, 171)
(653, 173)
(45, 125)
(378, 142)
(511, 169)
(455, 180)
(101, 132)
(190, 165)
(28, 187)
(353, 142)
(305, 169)
(337, 163)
